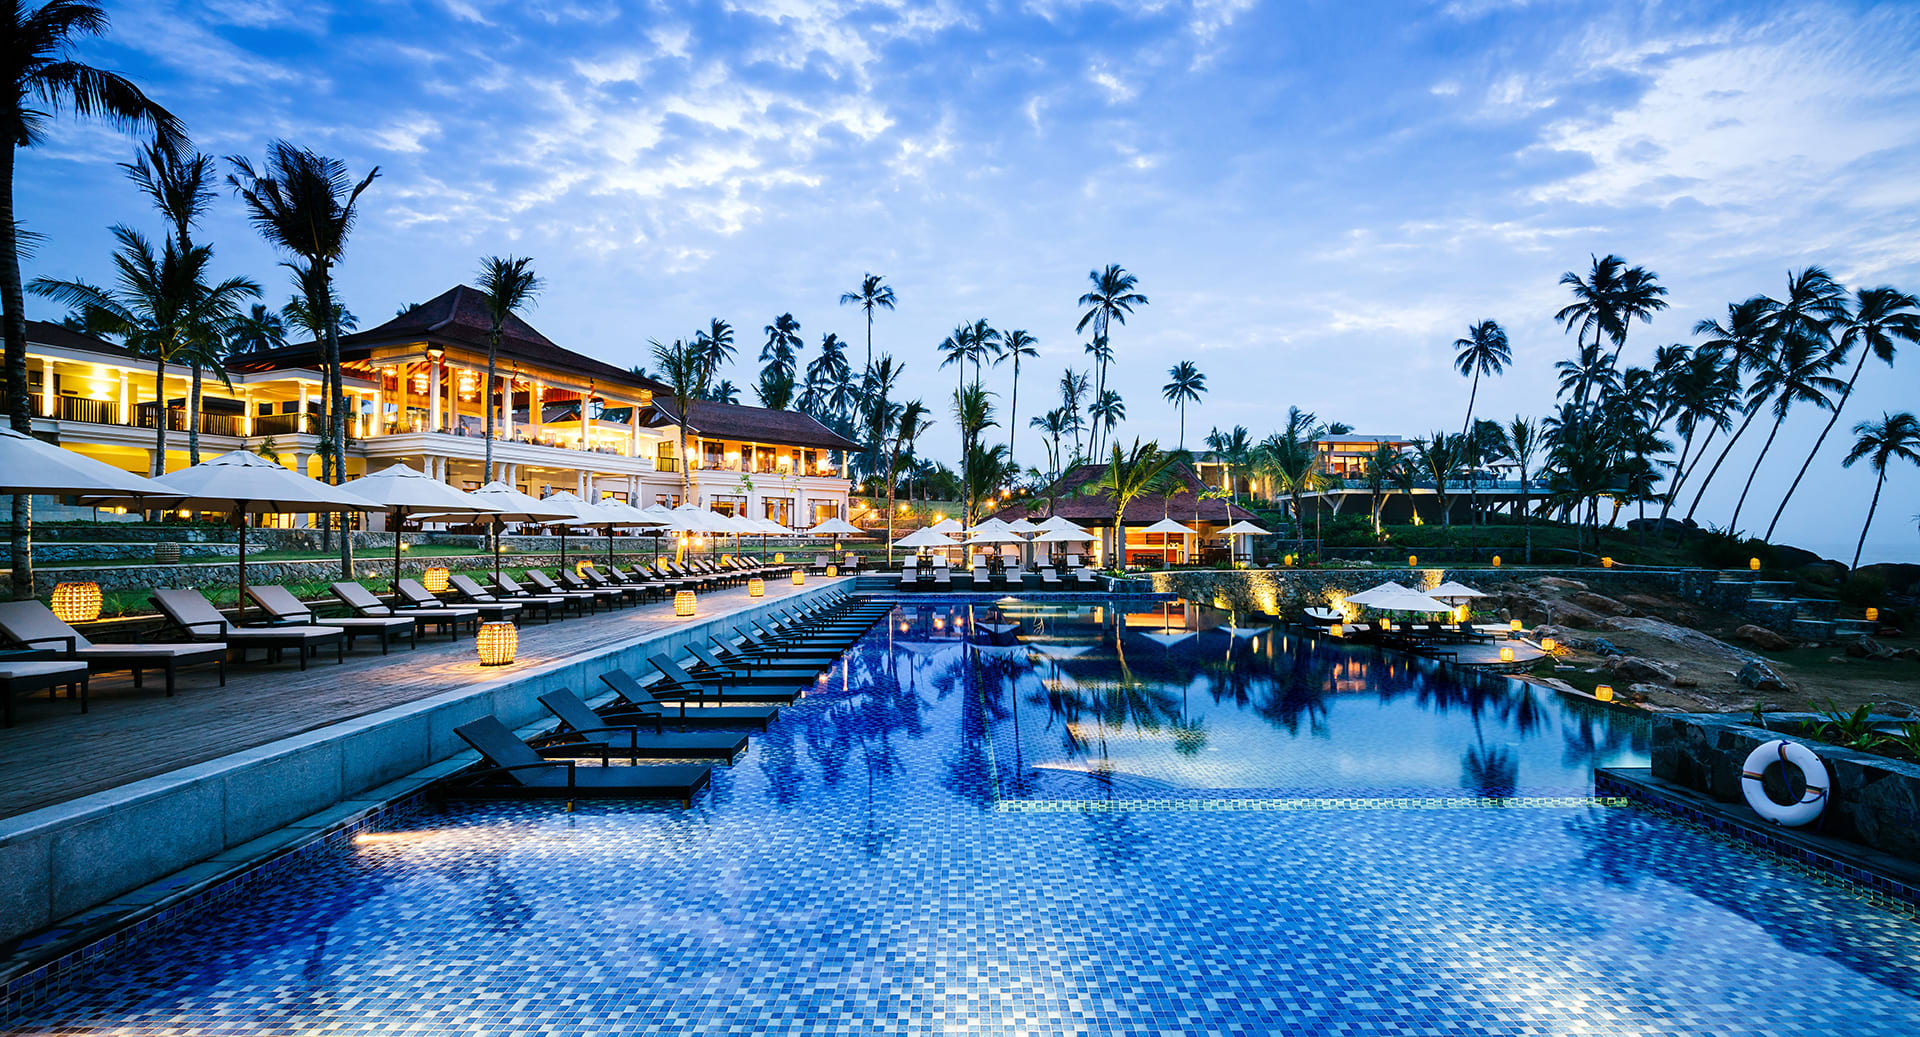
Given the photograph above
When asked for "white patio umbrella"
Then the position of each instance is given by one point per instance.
(1454, 593)
(1063, 536)
(1243, 528)
(402, 490)
(1021, 526)
(34, 466)
(920, 539)
(1068, 525)
(1167, 527)
(836, 528)
(1366, 597)
(572, 512)
(241, 484)
(626, 516)
(1408, 601)
(948, 526)
(505, 504)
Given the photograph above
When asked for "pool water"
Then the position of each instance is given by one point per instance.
(893, 857)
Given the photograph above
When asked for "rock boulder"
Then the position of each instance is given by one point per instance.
(1760, 677)
(1635, 670)
(1864, 647)
(1599, 604)
(1760, 637)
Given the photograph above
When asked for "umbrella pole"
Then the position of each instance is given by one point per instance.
(495, 525)
(240, 519)
(397, 512)
(609, 547)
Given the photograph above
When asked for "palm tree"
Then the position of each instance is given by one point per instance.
(873, 293)
(1483, 351)
(181, 187)
(724, 391)
(507, 283)
(1893, 437)
(1521, 440)
(1591, 369)
(1592, 310)
(1439, 458)
(1014, 346)
(42, 77)
(1185, 385)
(1637, 295)
(1108, 411)
(1700, 389)
(782, 350)
(1796, 374)
(973, 413)
(1073, 389)
(1054, 424)
(1745, 341)
(1235, 449)
(255, 331)
(715, 347)
(1129, 475)
(829, 379)
(956, 349)
(1581, 469)
(306, 204)
(877, 407)
(1880, 317)
(1381, 466)
(684, 371)
(162, 306)
(1112, 299)
(908, 426)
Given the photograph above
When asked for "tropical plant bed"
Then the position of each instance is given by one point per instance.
(1873, 799)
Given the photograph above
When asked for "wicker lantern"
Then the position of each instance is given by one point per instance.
(1873, 614)
(1337, 630)
(799, 578)
(404, 546)
(1413, 560)
(779, 557)
(1513, 625)
(1496, 561)
(1606, 561)
(581, 566)
(1604, 693)
(498, 643)
(832, 571)
(1506, 655)
(76, 602)
(756, 588)
(1547, 645)
(1754, 564)
(435, 579)
(683, 603)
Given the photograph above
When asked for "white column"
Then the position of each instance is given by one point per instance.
(246, 416)
(534, 407)
(303, 409)
(506, 408)
(633, 425)
(49, 399)
(126, 400)
(434, 371)
(379, 408)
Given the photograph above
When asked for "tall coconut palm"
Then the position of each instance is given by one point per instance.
(307, 204)
(1235, 449)
(684, 370)
(1484, 351)
(910, 423)
(1592, 312)
(957, 349)
(782, 350)
(1185, 384)
(1131, 474)
(715, 347)
(1638, 295)
(1880, 318)
(1108, 411)
(1381, 465)
(877, 408)
(507, 285)
(1015, 345)
(1744, 340)
(1438, 457)
(873, 294)
(1110, 301)
(1893, 437)
(1055, 425)
(41, 78)
(1073, 389)
(1796, 374)
(830, 388)
(162, 306)
(181, 186)
(1521, 440)
(973, 413)
(1700, 387)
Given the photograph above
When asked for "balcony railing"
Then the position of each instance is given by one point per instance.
(287, 425)
(107, 412)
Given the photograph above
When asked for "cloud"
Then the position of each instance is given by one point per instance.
(1117, 90)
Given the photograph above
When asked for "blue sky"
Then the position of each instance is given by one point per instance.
(1318, 197)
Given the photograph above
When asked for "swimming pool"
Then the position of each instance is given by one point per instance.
(873, 864)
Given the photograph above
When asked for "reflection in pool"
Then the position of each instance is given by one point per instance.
(1178, 699)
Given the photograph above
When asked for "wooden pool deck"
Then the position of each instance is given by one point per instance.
(54, 753)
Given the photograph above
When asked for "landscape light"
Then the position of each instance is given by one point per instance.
(756, 588)
(683, 602)
(1496, 561)
(1606, 561)
(779, 557)
(1506, 655)
(498, 642)
(1547, 645)
(832, 571)
(1337, 630)
(1604, 693)
(1513, 625)
(435, 579)
(1413, 560)
(1873, 615)
(1754, 564)
(799, 578)
(76, 602)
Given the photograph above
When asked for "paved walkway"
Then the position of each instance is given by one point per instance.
(53, 753)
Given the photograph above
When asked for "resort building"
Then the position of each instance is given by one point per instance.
(1206, 516)
(414, 388)
(1347, 456)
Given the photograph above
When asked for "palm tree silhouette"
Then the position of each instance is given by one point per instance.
(1015, 345)
(1112, 299)
(1745, 341)
(1185, 385)
(1073, 389)
(874, 293)
(256, 330)
(1483, 351)
(181, 187)
(1129, 475)
(1521, 440)
(1795, 374)
(1700, 388)
(1438, 456)
(507, 284)
(1893, 437)
(1880, 317)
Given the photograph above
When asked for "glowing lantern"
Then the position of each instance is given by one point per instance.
(779, 557)
(799, 578)
(1873, 614)
(756, 588)
(1606, 561)
(1506, 655)
(1386, 624)
(1513, 625)
(1547, 645)
(683, 603)
(833, 570)
(404, 546)
(1604, 693)
(1337, 630)
(1496, 561)
(498, 643)
(435, 579)
(580, 567)
(1413, 560)
(76, 602)
(1754, 564)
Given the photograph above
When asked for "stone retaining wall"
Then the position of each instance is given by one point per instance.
(1875, 801)
(370, 566)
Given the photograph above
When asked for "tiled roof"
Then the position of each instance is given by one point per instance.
(751, 424)
(1095, 507)
(458, 317)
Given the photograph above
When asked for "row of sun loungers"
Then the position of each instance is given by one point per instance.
(689, 712)
(52, 654)
(981, 577)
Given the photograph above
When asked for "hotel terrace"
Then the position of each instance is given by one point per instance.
(415, 388)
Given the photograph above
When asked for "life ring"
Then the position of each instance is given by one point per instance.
(1783, 752)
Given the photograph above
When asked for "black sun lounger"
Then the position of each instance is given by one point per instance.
(363, 602)
(581, 603)
(644, 706)
(33, 625)
(547, 586)
(190, 611)
(595, 733)
(281, 604)
(419, 597)
(17, 675)
(681, 684)
(749, 671)
(479, 597)
(518, 771)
